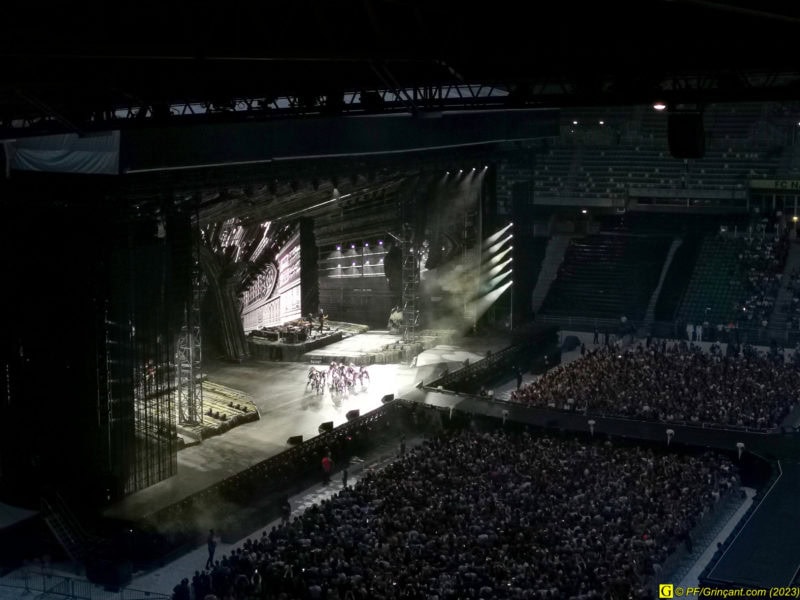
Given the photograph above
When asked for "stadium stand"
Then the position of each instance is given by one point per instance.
(607, 276)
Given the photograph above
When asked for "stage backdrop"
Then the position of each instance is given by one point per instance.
(352, 282)
(275, 297)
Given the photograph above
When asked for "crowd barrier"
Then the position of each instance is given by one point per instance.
(37, 584)
(775, 444)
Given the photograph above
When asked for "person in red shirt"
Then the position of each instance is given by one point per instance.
(327, 467)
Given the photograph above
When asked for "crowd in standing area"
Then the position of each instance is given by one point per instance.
(494, 515)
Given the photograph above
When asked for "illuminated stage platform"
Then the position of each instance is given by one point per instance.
(287, 408)
(375, 347)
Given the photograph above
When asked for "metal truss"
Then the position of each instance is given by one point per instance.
(189, 355)
(410, 282)
(34, 116)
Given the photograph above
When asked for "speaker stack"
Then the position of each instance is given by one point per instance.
(295, 440)
(326, 426)
(353, 414)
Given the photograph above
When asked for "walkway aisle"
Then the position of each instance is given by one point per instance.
(690, 578)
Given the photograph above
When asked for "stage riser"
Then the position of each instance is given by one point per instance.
(386, 357)
(289, 352)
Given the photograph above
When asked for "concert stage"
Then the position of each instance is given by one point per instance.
(287, 408)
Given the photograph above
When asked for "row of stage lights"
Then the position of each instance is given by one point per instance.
(472, 170)
(496, 271)
(353, 246)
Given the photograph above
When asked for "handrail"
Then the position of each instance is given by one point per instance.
(70, 587)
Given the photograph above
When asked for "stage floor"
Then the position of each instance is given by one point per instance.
(358, 345)
(287, 408)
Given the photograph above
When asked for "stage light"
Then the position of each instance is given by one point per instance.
(339, 248)
(584, 211)
(602, 122)
(482, 304)
(496, 258)
(461, 170)
(366, 244)
(659, 105)
(497, 268)
(496, 247)
(574, 122)
(352, 245)
(495, 281)
(473, 168)
(354, 263)
(380, 242)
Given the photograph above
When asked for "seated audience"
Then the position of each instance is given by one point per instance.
(678, 383)
(487, 516)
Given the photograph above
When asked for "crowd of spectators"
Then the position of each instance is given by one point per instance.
(500, 515)
(672, 383)
(761, 263)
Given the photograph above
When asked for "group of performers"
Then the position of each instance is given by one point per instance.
(339, 377)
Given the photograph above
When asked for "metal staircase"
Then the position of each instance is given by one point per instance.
(67, 530)
(554, 256)
(649, 315)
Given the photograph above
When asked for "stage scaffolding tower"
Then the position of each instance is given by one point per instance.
(188, 366)
(410, 280)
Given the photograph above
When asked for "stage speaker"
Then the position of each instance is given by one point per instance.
(353, 414)
(295, 440)
(686, 135)
(326, 426)
(387, 398)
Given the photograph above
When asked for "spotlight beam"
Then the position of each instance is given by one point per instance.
(497, 268)
(495, 236)
(497, 257)
(495, 247)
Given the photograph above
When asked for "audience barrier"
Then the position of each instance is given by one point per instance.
(33, 582)
(529, 345)
(769, 445)
(281, 471)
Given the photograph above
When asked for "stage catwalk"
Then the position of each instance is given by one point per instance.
(287, 408)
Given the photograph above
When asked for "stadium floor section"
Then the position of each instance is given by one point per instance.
(766, 552)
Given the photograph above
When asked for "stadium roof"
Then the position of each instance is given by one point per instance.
(78, 68)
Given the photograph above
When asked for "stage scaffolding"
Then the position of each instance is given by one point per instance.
(410, 280)
(189, 376)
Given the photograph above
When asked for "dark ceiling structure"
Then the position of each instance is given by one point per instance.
(78, 68)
